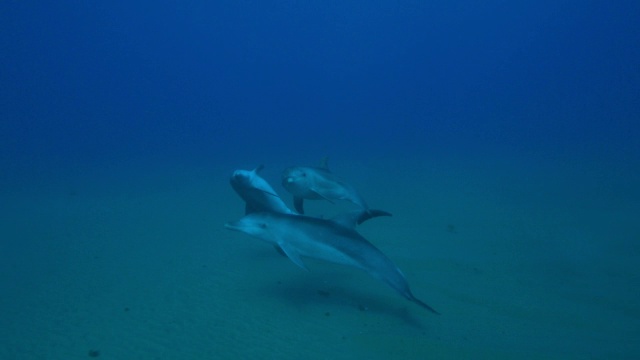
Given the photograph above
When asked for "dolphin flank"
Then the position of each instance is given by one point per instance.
(334, 241)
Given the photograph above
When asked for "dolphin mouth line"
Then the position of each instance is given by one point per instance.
(230, 226)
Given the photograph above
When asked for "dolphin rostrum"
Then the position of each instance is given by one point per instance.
(256, 192)
(334, 241)
(316, 183)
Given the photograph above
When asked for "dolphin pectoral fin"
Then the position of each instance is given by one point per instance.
(292, 254)
(298, 204)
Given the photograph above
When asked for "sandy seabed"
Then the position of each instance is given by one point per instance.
(522, 263)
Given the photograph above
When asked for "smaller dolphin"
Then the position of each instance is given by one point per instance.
(316, 183)
(256, 192)
(334, 241)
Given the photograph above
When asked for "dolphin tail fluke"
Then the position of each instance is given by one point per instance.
(423, 304)
(357, 217)
(370, 214)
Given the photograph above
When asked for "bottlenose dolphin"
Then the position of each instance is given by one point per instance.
(334, 241)
(256, 192)
(315, 183)
(259, 196)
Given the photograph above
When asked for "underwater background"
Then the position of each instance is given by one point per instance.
(503, 137)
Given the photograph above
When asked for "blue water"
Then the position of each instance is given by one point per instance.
(505, 133)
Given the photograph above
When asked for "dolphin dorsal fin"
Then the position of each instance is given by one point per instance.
(258, 169)
(324, 163)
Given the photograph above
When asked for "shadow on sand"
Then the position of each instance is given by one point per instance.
(312, 290)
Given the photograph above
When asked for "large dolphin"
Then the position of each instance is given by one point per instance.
(256, 192)
(315, 183)
(333, 240)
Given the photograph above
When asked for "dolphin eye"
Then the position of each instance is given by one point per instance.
(262, 225)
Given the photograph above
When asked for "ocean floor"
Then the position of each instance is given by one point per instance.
(539, 262)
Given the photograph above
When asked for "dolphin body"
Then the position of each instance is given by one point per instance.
(334, 240)
(257, 193)
(259, 196)
(316, 183)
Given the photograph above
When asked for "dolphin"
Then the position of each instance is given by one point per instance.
(334, 240)
(259, 196)
(316, 183)
(256, 192)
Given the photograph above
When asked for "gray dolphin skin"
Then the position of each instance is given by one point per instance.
(316, 183)
(334, 241)
(256, 192)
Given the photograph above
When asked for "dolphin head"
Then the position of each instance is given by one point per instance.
(295, 179)
(241, 178)
(258, 225)
(246, 182)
